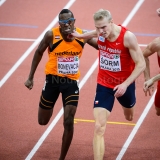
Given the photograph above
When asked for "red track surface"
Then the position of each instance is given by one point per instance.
(19, 130)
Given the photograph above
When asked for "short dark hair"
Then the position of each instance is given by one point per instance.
(66, 11)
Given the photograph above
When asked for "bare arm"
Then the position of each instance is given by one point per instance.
(47, 39)
(91, 41)
(156, 78)
(152, 47)
(86, 35)
(149, 84)
(131, 43)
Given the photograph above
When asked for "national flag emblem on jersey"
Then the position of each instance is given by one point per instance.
(96, 102)
(57, 37)
(102, 39)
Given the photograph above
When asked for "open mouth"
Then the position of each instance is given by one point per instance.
(67, 30)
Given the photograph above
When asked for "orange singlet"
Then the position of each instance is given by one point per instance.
(64, 56)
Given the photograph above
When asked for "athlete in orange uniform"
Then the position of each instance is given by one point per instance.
(152, 47)
(62, 73)
(120, 63)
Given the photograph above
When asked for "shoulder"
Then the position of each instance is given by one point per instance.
(48, 37)
(129, 35)
(130, 40)
(49, 33)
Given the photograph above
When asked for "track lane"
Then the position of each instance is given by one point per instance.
(27, 100)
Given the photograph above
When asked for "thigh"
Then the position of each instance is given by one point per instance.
(157, 96)
(49, 96)
(128, 100)
(104, 97)
(70, 93)
(101, 115)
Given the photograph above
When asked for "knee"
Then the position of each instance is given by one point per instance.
(68, 123)
(99, 129)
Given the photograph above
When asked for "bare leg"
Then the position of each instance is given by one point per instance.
(101, 115)
(44, 116)
(69, 113)
(128, 112)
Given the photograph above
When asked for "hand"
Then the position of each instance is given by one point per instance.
(29, 84)
(75, 34)
(120, 90)
(158, 11)
(148, 87)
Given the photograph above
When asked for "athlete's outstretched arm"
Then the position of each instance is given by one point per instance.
(150, 82)
(92, 41)
(86, 35)
(47, 39)
(151, 48)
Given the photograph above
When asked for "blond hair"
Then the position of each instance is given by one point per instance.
(100, 14)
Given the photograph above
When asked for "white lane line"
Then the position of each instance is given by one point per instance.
(32, 40)
(136, 127)
(30, 49)
(2, 1)
(55, 120)
(143, 115)
(133, 12)
(60, 113)
(17, 39)
(143, 45)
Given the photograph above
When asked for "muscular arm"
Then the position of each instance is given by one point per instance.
(91, 41)
(130, 42)
(156, 78)
(85, 35)
(152, 47)
(46, 41)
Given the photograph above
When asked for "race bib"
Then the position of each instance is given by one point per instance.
(110, 62)
(68, 65)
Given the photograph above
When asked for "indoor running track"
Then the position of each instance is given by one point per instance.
(22, 25)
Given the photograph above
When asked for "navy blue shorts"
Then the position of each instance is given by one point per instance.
(105, 97)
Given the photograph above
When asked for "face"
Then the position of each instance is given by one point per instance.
(66, 22)
(103, 27)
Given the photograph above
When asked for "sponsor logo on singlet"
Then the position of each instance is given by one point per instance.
(110, 61)
(68, 65)
(67, 53)
(101, 47)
